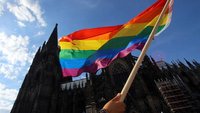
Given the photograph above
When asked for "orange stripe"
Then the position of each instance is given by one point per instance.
(105, 33)
(150, 13)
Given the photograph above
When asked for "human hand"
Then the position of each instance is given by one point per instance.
(115, 105)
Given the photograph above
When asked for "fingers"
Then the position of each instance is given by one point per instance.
(114, 105)
(117, 97)
(123, 107)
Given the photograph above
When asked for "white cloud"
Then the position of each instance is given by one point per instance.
(35, 8)
(40, 33)
(7, 97)
(27, 11)
(4, 111)
(2, 2)
(21, 24)
(9, 71)
(21, 12)
(14, 54)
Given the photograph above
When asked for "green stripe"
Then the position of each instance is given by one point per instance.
(114, 43)
(120, 42)
(75, 53)
(148, 30)
(160, 28)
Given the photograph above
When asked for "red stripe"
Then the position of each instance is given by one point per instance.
(143, 17)
(87, 33)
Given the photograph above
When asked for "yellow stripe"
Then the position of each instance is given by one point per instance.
(128, 30)
(82, 44)
(136, 28)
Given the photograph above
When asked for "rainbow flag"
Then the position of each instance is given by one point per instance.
(88, 50)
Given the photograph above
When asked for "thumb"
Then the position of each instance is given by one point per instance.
(117, 97)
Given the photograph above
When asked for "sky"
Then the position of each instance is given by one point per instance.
(26, 24)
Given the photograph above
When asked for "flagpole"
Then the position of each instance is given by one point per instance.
(141, 56)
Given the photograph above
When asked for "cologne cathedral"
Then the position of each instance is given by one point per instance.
(167, 88)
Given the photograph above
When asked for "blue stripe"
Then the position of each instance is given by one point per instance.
(100, 54)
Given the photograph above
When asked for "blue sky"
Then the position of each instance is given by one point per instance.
(26, 24)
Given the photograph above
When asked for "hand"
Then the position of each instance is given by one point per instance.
(114, 105)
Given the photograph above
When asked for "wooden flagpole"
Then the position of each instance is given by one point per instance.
(141, 56)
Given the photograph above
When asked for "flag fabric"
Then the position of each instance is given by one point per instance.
(88, 50)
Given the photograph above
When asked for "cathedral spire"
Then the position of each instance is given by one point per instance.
(189, 64)
(52, 43)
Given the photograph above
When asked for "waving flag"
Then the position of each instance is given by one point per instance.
(88, 50)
